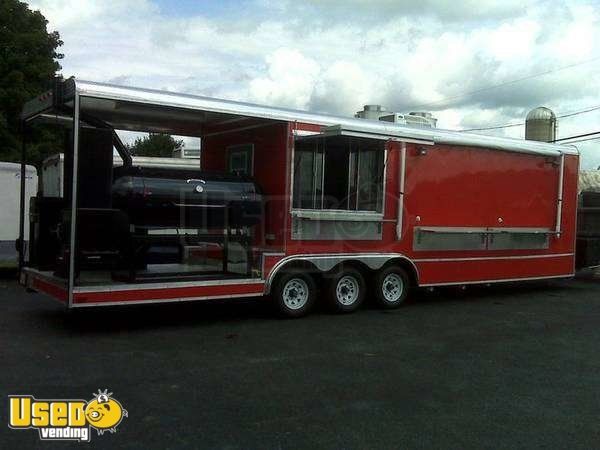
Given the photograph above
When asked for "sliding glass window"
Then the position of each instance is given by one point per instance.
(338, 173)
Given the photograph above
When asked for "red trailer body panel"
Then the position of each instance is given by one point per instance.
(440, 272)
(454, 208)
(122, 294)
(269, 145)
(465, 187)
(41, 283)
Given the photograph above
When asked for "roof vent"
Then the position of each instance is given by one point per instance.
(415, 119)
(371, 112)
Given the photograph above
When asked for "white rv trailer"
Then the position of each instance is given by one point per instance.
(10, 185)
(53, 169)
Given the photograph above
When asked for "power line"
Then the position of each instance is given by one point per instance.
(578, 136)
(505, 83)
(496, 127)
(583, 140)
(520, 124)
(592, 108)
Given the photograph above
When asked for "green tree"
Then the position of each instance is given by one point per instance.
(155, 144)
(28, 63)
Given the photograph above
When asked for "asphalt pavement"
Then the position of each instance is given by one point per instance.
(506, 367)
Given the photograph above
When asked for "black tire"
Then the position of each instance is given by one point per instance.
(294, 293)
(386, 284)
(346, 290)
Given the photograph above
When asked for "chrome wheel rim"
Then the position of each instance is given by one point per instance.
(392, 287)
(295, 293)
(347, 290)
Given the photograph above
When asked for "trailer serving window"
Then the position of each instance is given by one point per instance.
(338, 173)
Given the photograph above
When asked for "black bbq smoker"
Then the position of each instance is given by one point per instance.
(133, 224)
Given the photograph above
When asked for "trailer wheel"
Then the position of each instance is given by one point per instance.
(346, 290)
(391, 287)
(294, 293)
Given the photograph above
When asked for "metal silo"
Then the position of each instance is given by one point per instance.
(540, 125)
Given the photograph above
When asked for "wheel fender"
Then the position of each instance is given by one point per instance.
(324, 263)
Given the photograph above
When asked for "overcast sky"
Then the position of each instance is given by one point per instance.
(335, 56)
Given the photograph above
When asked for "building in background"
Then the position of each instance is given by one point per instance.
(189, 153)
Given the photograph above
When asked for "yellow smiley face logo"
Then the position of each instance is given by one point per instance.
(104, 413)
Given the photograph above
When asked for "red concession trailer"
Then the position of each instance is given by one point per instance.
(350, 208)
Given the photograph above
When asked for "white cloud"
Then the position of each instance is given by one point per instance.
(290, 79)
(90, 13)
(576, 42)
(336, 56)
(345, 86)
(513, 41)
(443, 9)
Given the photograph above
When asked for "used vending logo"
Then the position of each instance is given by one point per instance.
(66, 419)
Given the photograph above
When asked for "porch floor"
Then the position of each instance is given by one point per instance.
(154, 273)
